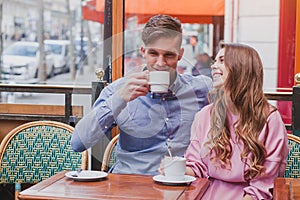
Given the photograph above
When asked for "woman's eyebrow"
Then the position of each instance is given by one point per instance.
(217, 58)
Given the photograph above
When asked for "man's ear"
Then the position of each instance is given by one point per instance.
(143, 51)
(180, 53)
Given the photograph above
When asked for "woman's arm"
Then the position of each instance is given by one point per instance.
(274, 137)
(199, 131)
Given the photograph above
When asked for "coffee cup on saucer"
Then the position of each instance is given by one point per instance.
(159, 81)
(174, 168)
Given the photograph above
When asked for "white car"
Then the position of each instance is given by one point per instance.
(21, 60)
(61, 56)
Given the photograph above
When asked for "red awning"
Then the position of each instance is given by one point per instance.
(188, 11)
(89, 12)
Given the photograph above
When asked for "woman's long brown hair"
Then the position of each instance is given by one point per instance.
(244, 85)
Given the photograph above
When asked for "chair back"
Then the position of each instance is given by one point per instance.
(37, 150)
(292, 169)
(109, 157)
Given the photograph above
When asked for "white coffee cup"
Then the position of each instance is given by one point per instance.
(174, 168)
(159, 81)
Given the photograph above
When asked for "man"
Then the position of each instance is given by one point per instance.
(202, 65)
(147, 122)
(193, 42)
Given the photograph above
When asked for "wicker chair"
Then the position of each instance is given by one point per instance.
(292, 169)
(37, 150)
(109, 157)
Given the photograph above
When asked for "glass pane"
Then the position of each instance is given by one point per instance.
(198, 32)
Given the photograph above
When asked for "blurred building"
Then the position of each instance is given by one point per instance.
(270, 27)
(20, 19)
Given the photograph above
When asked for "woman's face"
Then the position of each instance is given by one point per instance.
(219, 71)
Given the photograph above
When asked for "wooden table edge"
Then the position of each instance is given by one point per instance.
(42, 185)
(60, 175)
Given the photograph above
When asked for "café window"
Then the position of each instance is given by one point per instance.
(123, 20)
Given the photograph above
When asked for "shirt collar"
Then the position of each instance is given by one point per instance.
(164, 96)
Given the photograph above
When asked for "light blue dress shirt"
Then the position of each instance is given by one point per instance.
(145, 123)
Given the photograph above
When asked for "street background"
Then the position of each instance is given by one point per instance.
(86, 78)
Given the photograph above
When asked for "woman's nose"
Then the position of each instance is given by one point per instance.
(213, 65)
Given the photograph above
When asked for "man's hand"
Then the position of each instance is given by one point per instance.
(135, 86)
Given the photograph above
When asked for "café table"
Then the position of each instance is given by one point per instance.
(114, 186)
(286, 189)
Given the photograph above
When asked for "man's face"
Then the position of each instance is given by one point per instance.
(162, 55)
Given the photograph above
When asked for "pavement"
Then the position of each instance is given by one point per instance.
(82, 78)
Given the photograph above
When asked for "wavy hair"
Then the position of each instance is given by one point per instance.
(244, 87)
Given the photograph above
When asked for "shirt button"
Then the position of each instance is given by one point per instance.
(105, 127)
(167, 119)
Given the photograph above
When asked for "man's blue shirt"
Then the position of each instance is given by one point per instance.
(145, 123)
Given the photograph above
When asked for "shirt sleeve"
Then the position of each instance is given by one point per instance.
(93, 126)
(201, 92)
(195, 150)
(276, 144)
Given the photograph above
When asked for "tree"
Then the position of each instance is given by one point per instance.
(42, 72)
(71, 39)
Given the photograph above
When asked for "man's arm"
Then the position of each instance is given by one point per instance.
(112, 100)
(93, 126)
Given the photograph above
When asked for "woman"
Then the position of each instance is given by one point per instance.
(239, 141)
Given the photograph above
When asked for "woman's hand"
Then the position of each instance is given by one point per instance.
(161, 167)
(189, 171)
(247, 197)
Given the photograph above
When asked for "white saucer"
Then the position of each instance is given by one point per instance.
(86, 175)
(164, 180)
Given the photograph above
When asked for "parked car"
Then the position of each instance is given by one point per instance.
(21, 60)
(61, 56)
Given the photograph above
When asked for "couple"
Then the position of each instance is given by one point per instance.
(238, 140)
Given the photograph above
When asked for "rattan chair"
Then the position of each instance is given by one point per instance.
(292, 169)
(109, 157)
(37, 150)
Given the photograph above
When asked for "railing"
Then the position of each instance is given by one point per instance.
(95, 90)
(55, 89)
(279, 96)
(70, 90)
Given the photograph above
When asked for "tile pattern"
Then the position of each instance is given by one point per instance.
(293, 165)
(37, 153)
(113, 158)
